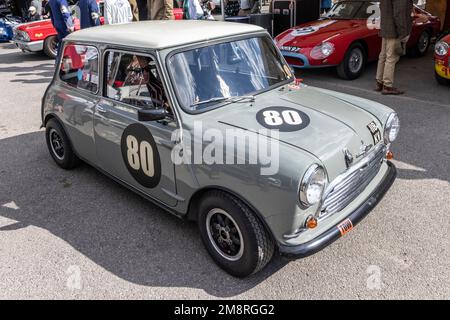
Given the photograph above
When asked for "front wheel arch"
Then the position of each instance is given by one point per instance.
(343, 69)
(196, 198)
(242, 228)
(415, 51)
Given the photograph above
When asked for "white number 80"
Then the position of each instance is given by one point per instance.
(140, 156)
(273, 118)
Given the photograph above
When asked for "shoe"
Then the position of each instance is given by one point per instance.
(379, 86)
(391, 91)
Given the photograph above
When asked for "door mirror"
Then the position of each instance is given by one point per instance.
(151, 114)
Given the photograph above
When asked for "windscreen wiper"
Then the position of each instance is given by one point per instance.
(225, 99)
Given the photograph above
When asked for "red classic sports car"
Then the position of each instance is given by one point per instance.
(41, 35)
(442, 60)
(348, 37)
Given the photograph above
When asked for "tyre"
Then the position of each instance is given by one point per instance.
(234, 237)
(440, 80)
(354, 62)
(421, 47)
(59, 145)
(50, 44)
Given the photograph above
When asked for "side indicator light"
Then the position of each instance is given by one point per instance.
(389, 155)
(311, 223)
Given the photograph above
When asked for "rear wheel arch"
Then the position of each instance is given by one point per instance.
(59, 144)
(47, 46)
(50, 116)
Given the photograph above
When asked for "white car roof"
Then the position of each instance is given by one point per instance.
(161, 34)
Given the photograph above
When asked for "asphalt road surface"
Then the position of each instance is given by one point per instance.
(77, 234)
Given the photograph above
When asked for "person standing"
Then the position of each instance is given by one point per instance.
(61, 20)
(89, 13)
(35, 10)
(46, 9)
(117, 11)
(160, 9)
(134, 9)
(396, 26)
(249, 7)
(192, 10)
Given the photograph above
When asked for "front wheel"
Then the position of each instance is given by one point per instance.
(354, 62)
(50, 46)
(234, 237)
(421, 47)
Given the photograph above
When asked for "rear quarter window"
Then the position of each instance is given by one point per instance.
(79, 67)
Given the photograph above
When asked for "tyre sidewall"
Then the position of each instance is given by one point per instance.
(420, 53)
(66, 161)
(47, 47)
(344, 69)
(249, 260)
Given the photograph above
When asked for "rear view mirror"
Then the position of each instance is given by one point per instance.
(151, 114)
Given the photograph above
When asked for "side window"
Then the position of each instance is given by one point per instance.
(79, 67)
(134, 79)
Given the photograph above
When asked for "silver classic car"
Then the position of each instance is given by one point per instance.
(208, 121)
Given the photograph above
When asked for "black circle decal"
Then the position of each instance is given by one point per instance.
(140, 154)
(282, 118)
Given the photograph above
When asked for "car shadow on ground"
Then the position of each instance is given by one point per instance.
(42, 73)
(118, 230)
(7, 45)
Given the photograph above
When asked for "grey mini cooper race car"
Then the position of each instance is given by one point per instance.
(207, 120)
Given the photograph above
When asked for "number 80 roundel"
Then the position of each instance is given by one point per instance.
(140, 154)
(284, 119)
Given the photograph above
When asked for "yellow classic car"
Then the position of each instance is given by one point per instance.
(442, 60)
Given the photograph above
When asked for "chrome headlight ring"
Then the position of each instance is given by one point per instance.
(442, 48)
(322, 51)
(312, 185)
(391, 128)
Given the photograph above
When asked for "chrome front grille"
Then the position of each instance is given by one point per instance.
(347, 186)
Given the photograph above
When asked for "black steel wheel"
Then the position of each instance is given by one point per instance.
(354, 62)
(59, 145)
(233, 235)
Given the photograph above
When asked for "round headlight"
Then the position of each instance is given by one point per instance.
(322, 51)
(441, 48)
(391, 128)
(327, 49)
(312, 185)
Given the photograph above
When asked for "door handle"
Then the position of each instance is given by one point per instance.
(100, 109)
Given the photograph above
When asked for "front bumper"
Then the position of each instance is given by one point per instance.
(302, 61)
(334, 233)
(31, 46)
(442, 70)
